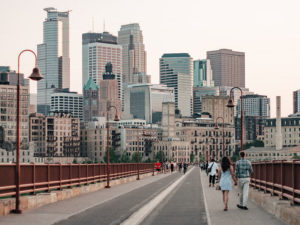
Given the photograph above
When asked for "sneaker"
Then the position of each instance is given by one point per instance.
(245, 207)
(239, 206)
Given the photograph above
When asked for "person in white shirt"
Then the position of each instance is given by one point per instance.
(212, 170)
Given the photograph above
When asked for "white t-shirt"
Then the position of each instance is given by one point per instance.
(214, 166)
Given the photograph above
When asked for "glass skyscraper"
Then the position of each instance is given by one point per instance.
(203, 74)
(53, 57)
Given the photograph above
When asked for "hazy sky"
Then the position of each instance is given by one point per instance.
(266, 30)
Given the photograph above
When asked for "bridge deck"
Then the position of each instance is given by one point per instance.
(181, 203)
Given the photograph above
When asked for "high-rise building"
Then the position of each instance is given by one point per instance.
(53, 57)
(65, 101)
(254, 105)
(144, 101)
(203, 74)
(176, 71)
(133, 51)
(97, 50)
(296, 101)
(108, 93)
(228, 67)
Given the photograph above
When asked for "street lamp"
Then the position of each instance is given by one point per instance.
(231, 105)
(117, 118)
(150, 135)
(223, 134)
(36, 76)
(138, 154)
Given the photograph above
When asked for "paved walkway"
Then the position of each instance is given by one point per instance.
(174, 199)
(234, 216)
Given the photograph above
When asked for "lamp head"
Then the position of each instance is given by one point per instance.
(117, 118)
(35, 75)
(230, 103)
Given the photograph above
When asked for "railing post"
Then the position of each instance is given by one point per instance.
(273, 177)
(87, 174)
(48, 178)
(70, 174)
(281, 177)
(79, 174)
(60, 176)
(265, 178)
(33, 177)
(293, 180)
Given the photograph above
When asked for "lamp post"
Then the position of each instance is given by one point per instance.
(149, 135)
(231, 105)
(36, 76)
(107, 142)
(223, 134)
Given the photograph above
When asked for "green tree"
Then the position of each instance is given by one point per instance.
(113, 156)
(158, 156)
(134, 157)
(297, 157)
(148, 160)
(192, 157)
(125, 158)
(201, 158)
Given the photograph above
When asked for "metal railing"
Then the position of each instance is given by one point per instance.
(280, 178)
(46, 177)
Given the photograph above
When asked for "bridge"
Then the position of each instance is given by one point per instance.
(166, 198)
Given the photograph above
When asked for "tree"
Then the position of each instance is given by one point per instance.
(192, 157)
(113, 156)
(125, 158)
(297, 157)
(158, 156)
(134, 157)
(201, 158)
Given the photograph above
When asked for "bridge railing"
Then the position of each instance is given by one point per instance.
(46, 177)
(280, 178)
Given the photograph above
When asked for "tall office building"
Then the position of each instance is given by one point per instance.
(53, 57)
(97, 50)
(145, 101)
(176, 71)
(199, 93)
(203, 74)
(255, 106)
(133, 52)
(90, 100)
(228, 67)
(65, 101)
(296, 101)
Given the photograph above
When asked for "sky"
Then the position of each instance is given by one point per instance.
(266, 30)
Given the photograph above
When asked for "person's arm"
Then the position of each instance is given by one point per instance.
(219, 173)
(233, 175)
(250, 168)
(236, 168)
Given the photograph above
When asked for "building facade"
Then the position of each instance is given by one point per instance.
(228, 67)
(53, 57)
(199, 93)
(203, 74)
(255, 106)
(65, 101)
(130, 37)
(176, 71)
(144, 101)
(97, 50)
(296, 101)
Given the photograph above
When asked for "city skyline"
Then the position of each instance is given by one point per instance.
(267, 37)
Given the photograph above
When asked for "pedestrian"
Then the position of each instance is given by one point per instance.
(206, 168)
(185, 166)
(212, 171)
(225, 174)
(157, 166)
(172, 167)
(180, 167)
(243, 170)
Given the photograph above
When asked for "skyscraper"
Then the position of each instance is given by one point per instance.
(53, 57)
(228, 67)
(176, 70)
(97, 50)
(254, 105)
(296, 101)
(203, 74)
(133, 55)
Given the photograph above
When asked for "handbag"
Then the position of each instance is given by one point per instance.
(218, 188)
(209, 168)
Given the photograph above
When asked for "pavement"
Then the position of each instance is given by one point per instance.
(234, 216)
(175, 199)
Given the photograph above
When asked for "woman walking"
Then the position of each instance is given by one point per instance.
(226, 173)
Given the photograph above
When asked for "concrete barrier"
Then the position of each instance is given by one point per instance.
(282, 209)
(41, 199)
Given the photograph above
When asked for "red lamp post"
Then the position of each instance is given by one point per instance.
(107, 142)
(231, 105)
(223, 134)
(36, 76)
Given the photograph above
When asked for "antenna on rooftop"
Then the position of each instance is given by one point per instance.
(103, 25)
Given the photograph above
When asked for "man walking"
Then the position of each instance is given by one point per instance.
(243, 170)
(212, 171)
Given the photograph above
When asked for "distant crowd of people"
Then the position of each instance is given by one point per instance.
(166, 167)
(225, 173)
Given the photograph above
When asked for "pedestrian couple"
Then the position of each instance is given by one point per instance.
(241, 177)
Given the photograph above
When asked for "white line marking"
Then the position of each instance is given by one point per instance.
(205, 202)
(138, 217)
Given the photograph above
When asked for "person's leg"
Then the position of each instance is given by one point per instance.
(240, 186)
(213, 180)
(226, 199)
(223, 193)
(210, 179)
(245, 191)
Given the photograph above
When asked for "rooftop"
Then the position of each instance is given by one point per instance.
(169, 55)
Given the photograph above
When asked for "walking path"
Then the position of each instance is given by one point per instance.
(234, 216)
(174, 199)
